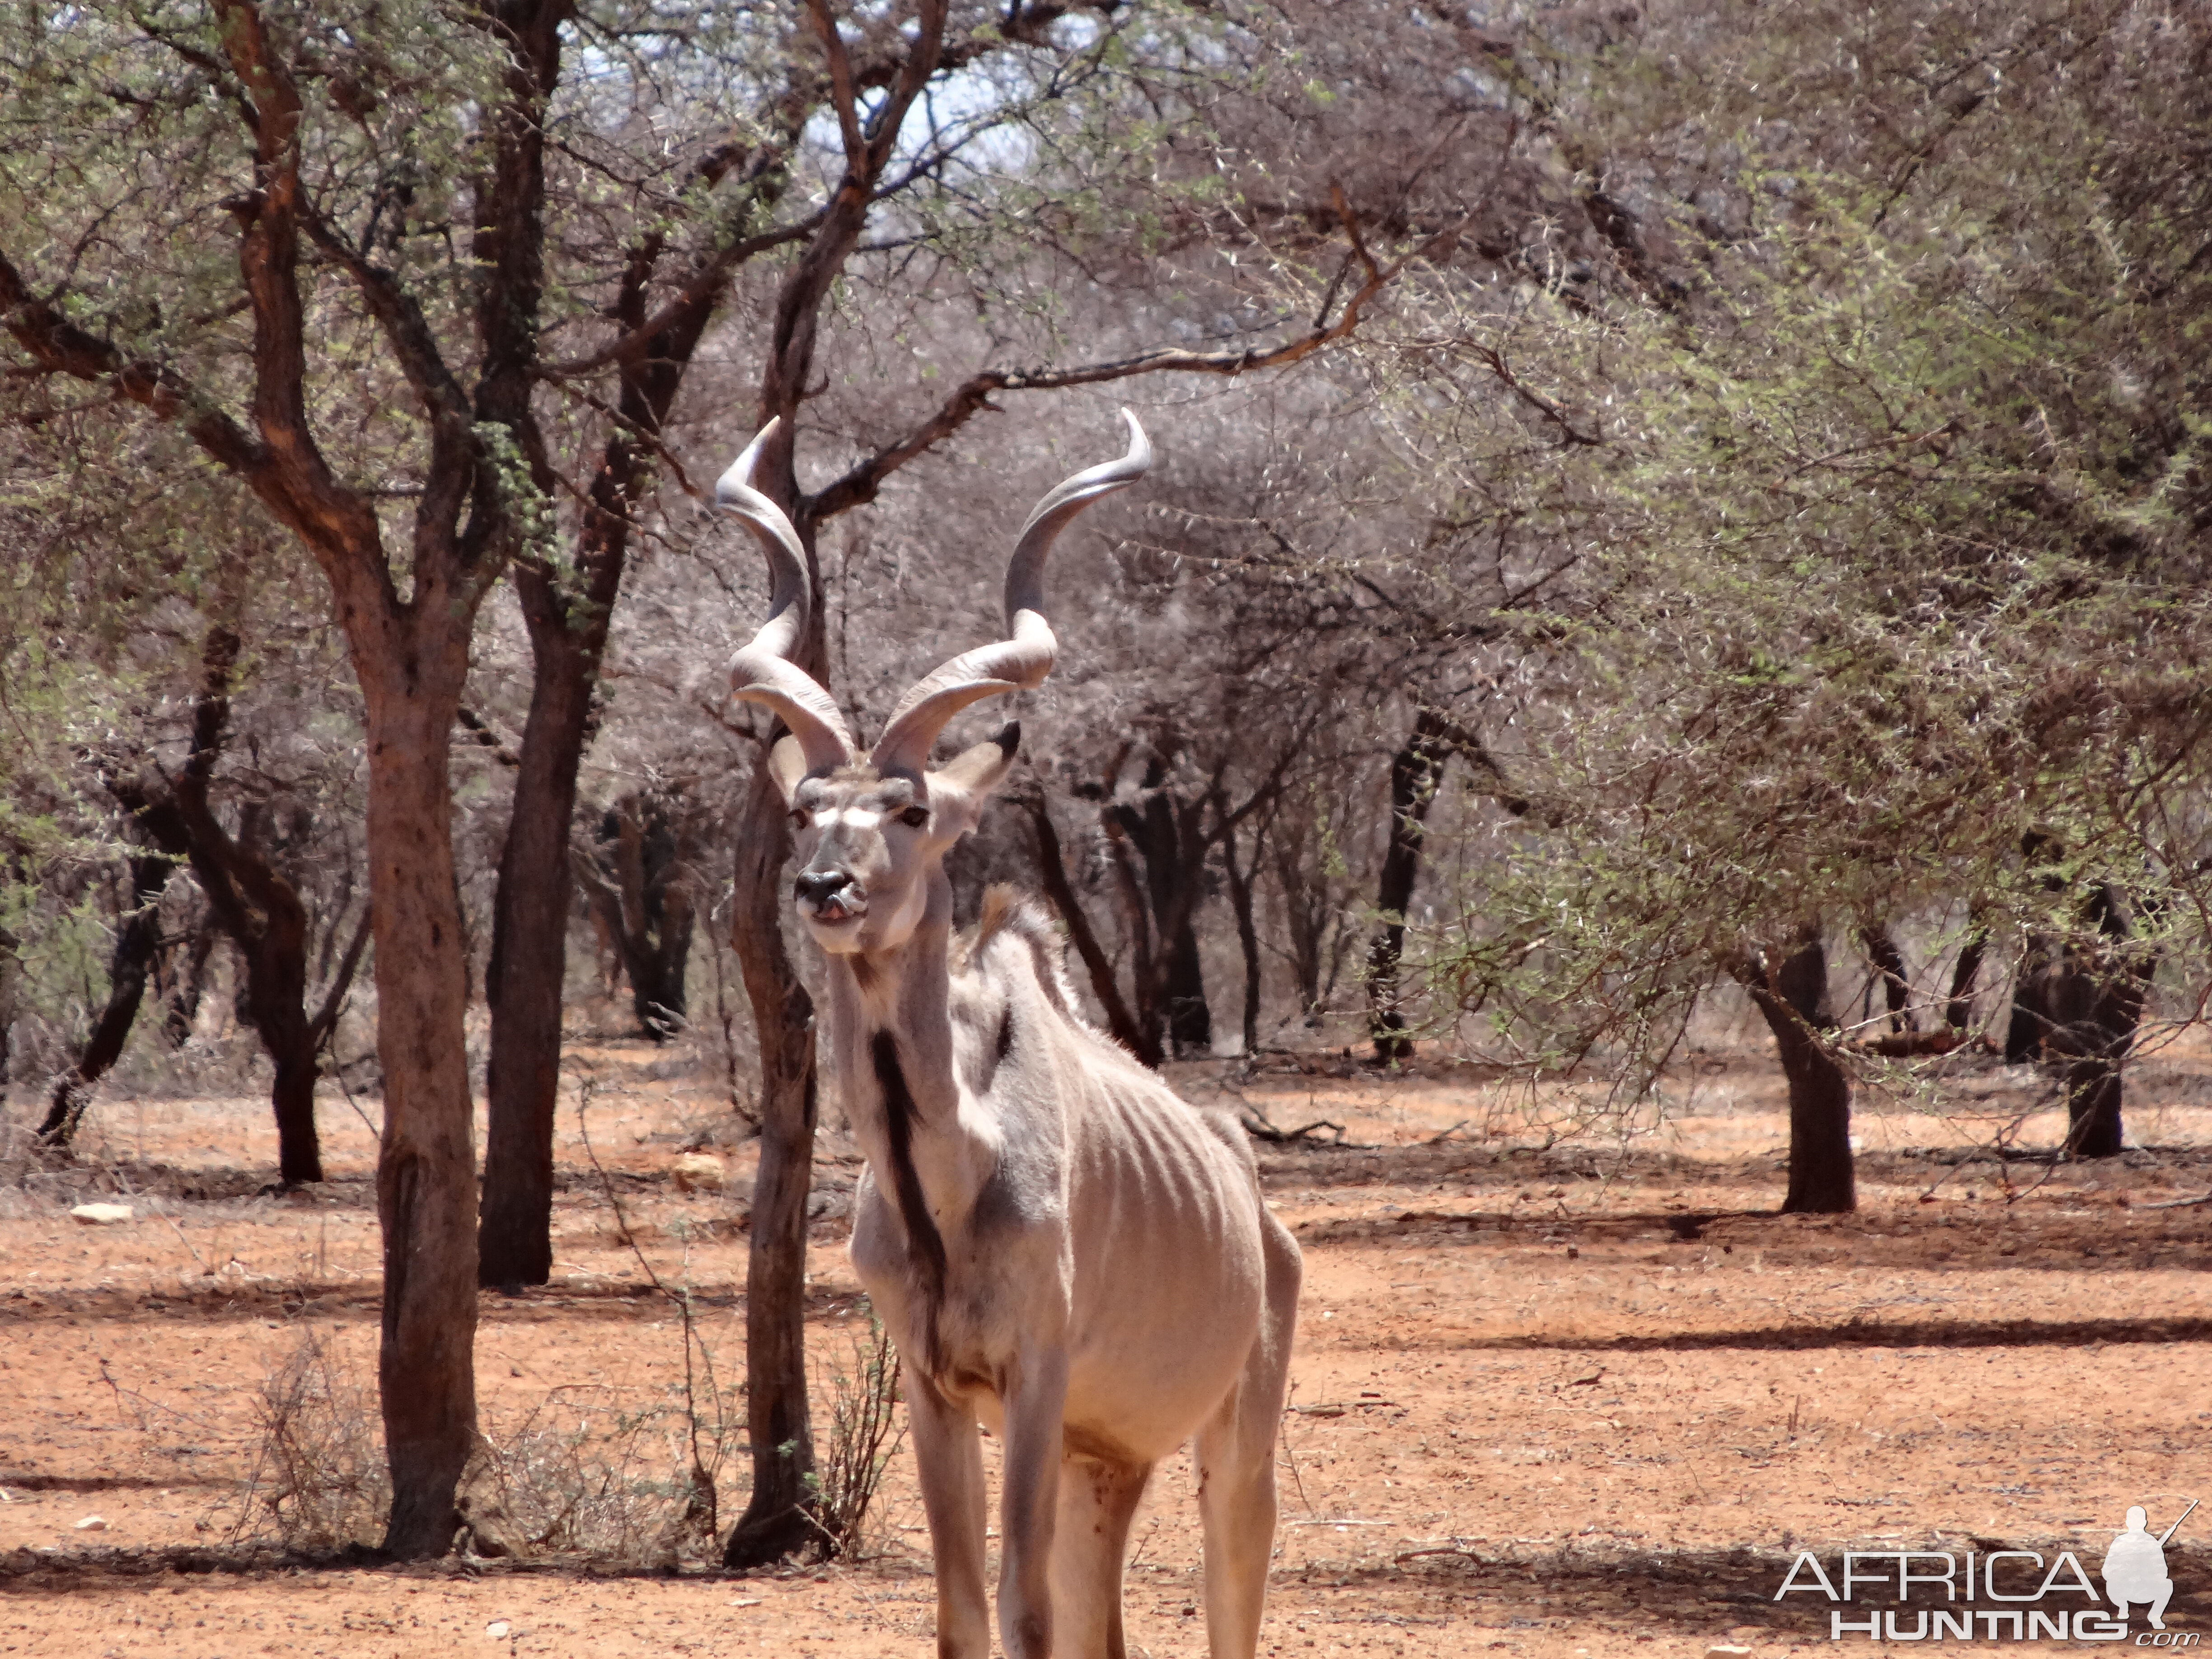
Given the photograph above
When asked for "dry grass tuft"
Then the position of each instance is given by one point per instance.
(318, 1481)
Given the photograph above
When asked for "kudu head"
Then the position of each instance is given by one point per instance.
(871, 831)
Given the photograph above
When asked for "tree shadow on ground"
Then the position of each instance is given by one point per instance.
(1663, 1592)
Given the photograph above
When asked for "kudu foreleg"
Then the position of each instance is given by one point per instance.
(1035, 1401)
(950, 1462)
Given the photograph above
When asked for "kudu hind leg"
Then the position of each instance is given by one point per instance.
(1097, 1501)
(950, 1461)
(1235, 1453)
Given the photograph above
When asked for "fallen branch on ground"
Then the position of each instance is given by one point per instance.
(1260, 1129)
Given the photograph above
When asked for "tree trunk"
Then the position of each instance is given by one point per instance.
(779, 1520)
(1159, 904)
(1794, 997)
(1959, 1006)
(11, 984)
(277, 991)
(1310, 907)
(180, 1011)
(1821, 1179)
(1416, 771)
(529, 949)
(136, 943)
(2093, 1128)
(426, 1197)
(651, 856)
(671, 995)
(1896, 982)
(2092, 998)
(256, 904)
(1802, 979)
(1148, 1018)
(2031, 1015)
(1248, 934)
(568, 640)
(299, 1147)
(637, 888)
(1175, 867)
(1052, 870)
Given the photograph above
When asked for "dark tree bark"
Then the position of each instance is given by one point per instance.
(1821, 1177)
(1175, 869)
(1247, 933)
(1793, 996)
(1052, 870)
(1310, 909)
(263, 912)
(1416, 772)
(638, 887)
(2031, 1015)
(180, 1001)
(1159, 850)
(11, 985)
(1803, 978)
(528, 963)
(2079, 1006)
(567, 623)
(137, 941)
(1959, 1006)
(1896, 983)
(1147, 1016)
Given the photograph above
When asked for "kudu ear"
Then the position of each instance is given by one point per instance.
(958, 789)
(786, 764)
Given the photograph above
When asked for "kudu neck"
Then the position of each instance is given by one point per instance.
(905, 990)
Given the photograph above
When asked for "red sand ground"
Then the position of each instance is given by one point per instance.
(1572, 1401)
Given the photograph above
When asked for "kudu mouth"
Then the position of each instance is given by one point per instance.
(830, 897)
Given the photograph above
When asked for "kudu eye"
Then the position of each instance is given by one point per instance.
(800, 817)
(914, 818)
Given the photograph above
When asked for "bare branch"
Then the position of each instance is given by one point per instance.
(861, 483)
(57, 346)
(841, 84)
(330, 518)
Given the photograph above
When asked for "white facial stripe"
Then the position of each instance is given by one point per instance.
(853, 817)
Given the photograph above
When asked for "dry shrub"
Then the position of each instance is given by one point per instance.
(318, 1481)
(580, 1474)
(866, 1431)
(586, 1471)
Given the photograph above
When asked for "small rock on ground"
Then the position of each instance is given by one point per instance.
(699, 1172)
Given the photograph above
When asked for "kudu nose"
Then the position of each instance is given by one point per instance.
(817, 886)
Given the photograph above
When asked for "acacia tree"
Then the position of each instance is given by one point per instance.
(1867, 534)
(308, 139)
(218, 739)
(250, 874)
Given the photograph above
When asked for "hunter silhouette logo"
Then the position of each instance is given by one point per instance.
(2135, 1567)
(2000, 1592)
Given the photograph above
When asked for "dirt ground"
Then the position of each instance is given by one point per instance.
(1556, 1395)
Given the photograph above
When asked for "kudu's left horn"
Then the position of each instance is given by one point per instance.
(1023, 659)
